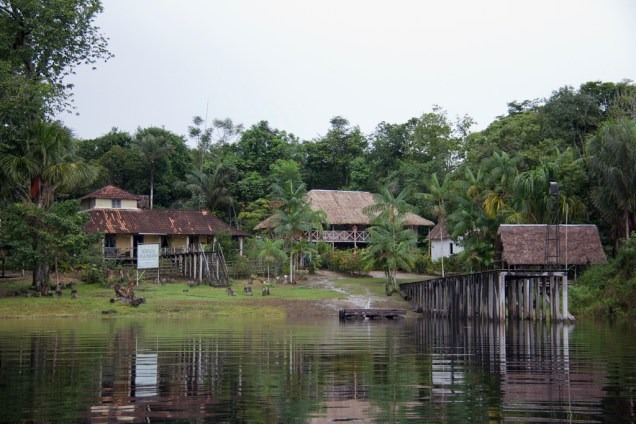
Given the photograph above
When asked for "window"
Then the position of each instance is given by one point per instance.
(110, 245)
(116, 203)
(450, 246)
(111, 240)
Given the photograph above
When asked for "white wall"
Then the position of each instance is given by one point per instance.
(442, 247)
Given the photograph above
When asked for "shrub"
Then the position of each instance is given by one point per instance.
(423, 264)
(93, 275)
(608, 289)
(348, 261)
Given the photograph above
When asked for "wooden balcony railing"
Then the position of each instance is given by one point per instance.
(343, 236)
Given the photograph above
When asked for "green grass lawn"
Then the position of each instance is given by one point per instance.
(161, 300)
(366, 285)
(178, 298)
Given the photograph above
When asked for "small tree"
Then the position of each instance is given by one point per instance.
(151, 149)
(294, 217)
(37, 237)
(391, 245)
(270, 251)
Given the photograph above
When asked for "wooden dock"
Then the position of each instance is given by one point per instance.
(345, 314)
(534, 294)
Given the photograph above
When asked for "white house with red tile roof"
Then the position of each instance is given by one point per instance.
(116, 214)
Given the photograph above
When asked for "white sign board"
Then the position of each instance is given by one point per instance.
(147, 256)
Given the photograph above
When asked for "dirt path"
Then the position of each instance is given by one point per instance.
(328, 280)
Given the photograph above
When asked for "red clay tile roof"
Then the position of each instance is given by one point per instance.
(110, 192)
(525, 244)
(156, 221)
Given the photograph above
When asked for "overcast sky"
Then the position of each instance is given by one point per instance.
(298, 63)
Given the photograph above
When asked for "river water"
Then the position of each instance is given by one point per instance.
(282, 371)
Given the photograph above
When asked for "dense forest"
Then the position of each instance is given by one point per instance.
(476, 180)
(582, 137)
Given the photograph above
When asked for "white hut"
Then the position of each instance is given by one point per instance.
(442, 245)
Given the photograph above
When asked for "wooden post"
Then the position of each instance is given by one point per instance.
(544, 298)
(502, 296)
(566, 312)
(553, 304)
(526, 299)
(537, 299)
(557, 297)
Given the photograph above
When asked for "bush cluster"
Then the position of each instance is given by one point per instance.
(608, 290)
(345, 261)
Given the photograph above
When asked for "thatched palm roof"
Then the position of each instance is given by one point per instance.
(525, 244)
(346, 208)
(439, 231)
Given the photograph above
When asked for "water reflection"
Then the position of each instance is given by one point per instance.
(279, 371)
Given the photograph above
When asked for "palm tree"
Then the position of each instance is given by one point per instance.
(294, 217)
(211, 190)
(391, 245)
(151, 149)
(270, 251)
(469, 219)
(611, 157)
(437, 195)
(45, 164)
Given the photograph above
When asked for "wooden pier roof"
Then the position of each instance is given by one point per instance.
(520, 245)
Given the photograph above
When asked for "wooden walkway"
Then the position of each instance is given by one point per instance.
(493, 295)
(345, 314)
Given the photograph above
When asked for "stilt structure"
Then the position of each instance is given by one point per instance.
(201, 266)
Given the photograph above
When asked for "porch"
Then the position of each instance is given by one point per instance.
(338, 236)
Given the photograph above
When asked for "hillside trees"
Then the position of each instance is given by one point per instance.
(330, 158)
(45, 164)
(258, 148)
(612, 162)
(41, 44)
(128, 161)
(496, 175)
(210, 139)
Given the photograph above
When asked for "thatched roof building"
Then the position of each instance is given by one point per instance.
(439, 231)
(346, 208)
(525, 245)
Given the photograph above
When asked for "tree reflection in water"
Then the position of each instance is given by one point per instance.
(284, 371)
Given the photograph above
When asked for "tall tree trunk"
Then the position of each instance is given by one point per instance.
(152, 185)
(41, 277)
(291, 267)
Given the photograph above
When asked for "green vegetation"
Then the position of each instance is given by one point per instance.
(608, 290)
(583, 138)
(161, 300)
(392, 246)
